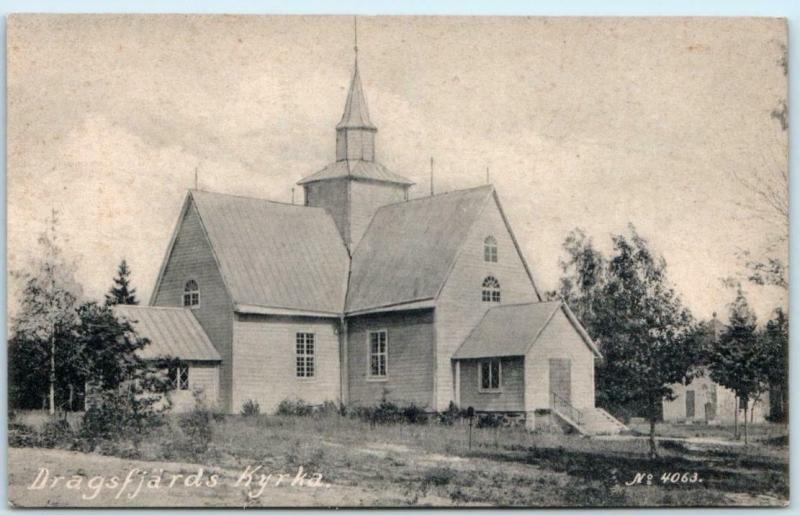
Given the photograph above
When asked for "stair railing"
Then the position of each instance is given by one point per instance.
(563, 406)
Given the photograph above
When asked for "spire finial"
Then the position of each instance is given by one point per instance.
(355, 37)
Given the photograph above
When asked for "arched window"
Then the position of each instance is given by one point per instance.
(191, 294)
(490, 249)
(491, 290)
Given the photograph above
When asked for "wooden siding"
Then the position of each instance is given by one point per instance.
(512, 387)
(559, 340)
(192, 258)
(459, 307)
(264, 361)
(410, 358)
(331, 195)
(365, 199)
(203, 376)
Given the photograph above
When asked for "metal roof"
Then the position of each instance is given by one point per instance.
(512, 329)
(357, 169)
(409, 247)
(172, 332)
(356, 114)
(276, 255)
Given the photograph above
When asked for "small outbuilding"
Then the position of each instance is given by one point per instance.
(176, 333)
(533, 360)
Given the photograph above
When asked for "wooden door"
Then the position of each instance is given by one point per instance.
(560, 381)
(690, 404)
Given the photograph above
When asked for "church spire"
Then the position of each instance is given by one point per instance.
(355, 133)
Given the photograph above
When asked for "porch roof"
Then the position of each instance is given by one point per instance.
(512, 329)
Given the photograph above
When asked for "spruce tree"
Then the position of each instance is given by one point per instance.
(737, 362)
(121, 292)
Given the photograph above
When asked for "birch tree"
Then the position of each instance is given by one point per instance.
(49, 295)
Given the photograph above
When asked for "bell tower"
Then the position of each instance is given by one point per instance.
(354, 186)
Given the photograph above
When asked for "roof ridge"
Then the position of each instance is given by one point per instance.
(439, 195)
(278, 202)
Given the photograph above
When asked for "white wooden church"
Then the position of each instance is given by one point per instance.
(363, 293)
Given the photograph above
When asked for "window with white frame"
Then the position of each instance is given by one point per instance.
(489, 375)
(490, 291)
(304, 345)
(191, 293)
(490, 249)
(378, 353)
(179, 377)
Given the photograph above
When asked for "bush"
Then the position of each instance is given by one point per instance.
(56, 433)
(387, 412)
(196, 427)
(486, 420)
(118, 415)
(438, 476)
(298, 408)
(21, 435)
(414, 414)
(250, 408)
(452, 414)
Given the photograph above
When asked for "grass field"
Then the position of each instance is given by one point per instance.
(407, 465)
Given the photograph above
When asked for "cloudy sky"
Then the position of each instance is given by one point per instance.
(589, 123)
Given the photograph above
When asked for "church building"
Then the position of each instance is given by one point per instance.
(364, 293)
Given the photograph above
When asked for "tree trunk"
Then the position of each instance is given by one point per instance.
(653, 448)
(735, 418)
(53, 373)
(745, 422)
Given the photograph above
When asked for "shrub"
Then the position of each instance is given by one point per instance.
(387, 412)
(196, 426)
(56, 433)
(119, 414)
(438, 476)
(486, 420)
(250, 408)
(298, 408)
(449, 416)
(21, 435)
(414, 414)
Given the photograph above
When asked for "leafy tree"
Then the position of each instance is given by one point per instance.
(121, 292)
(46, 316)
(648, 339)
(775, 346)
(738, 360)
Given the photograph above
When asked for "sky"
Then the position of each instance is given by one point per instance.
(582, 122)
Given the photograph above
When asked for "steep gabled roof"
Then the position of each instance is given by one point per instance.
(408, 248)
(172, 332)
(275, 255)
(356, 114)
(511, 330)
(357, 169)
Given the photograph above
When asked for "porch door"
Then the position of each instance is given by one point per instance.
(690, 404)
(560, 381)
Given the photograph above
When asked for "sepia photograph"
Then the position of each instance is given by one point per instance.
(343, 261)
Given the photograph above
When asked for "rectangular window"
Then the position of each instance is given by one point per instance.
(304, 347)
(490, 254)
(378, 353)
(179, 377)
(489, 372)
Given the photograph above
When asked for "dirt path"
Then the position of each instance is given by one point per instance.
(81, 486)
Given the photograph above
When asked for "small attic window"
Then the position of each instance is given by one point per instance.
(490, 249)
(191, 294)
(491, 290)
